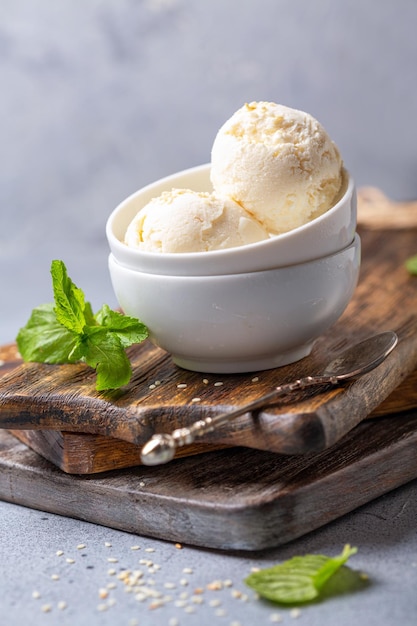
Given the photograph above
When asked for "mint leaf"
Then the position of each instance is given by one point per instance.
(299, 579)
(104, 351)
(69, 299)
(44, 339)
(411, 265)
(68, 331)
(128, 329)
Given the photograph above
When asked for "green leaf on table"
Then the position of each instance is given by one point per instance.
(411, 265)
(299, 579)
(67, 331)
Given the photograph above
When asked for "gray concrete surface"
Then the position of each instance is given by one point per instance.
(99, 98)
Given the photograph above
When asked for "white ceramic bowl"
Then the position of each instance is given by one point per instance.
(240, 322)
(331, 232)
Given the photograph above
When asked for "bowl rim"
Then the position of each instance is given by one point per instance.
(355, 246)
(132, 257)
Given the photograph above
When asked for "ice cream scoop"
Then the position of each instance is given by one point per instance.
(183, 220)
(278, 163)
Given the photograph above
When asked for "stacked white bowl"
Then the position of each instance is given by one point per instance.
(241, 309)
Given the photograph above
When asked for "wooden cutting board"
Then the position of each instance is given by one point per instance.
(56, 410)
(249, 496)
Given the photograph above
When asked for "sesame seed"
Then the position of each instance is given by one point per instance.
(187, 570)
(205, 381)
(170, 585)
(215, 602)
(102, 607)
(142, 483)
(181, 385)
(36, 595)
(111, 585)
(255, 379)
(275, 617)
(183, 582)
(215, 585)
(198, 590)
(173, 622)
(135, 547)
(103, 593)
(294, 613)
(55, 577)
(111, 572)
(178, 546)
(59, 552)
(236, 593)
(183, 595)
(189, 609)
(197, 599)
(70, 560)
(46, 608)
(158, 382)
(218, 384)
(81, 546)
(107, 544)
(62, 605)
(255, 569)
(220, 612)
(235, 623)
(228, 583)
(149, 549)
(195, 400)
(112, 559)
(180, 603)
(153, 386)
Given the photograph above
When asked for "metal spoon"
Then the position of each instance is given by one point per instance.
(350, 364)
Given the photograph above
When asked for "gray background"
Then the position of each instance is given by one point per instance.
(99, 98)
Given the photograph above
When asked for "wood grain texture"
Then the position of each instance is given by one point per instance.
(62, 399)
(237, 499)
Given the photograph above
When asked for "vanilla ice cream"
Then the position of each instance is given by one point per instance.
(182, 220)
(278, 163)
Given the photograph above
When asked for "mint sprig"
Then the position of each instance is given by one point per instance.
(67, 331)
(299, 579)
(411, 265)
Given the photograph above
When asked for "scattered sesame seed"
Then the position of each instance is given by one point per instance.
(135, 547)
(220, 612)
(195, 400)
(181, 385)
(275, 617)
(111, 601)
(111, 585)
(187, 570)
(62, 605)
(149, 549)
(218, 383)
(70, 560)
(183, 595)
(228, 583)
(103, 593)
(170, 585)
(107, 544)
(46, 608)
(255, 379)
(178, 546)
(235, 623)
(189, 609)
(142, 483)
(133, 622)
(198, 590)
(59, 552)
(55, 577)
(111, 572)
(255, 569)
(236, 593)
(36, 595)
(173, 622)
(102, 607)
(197, 599)
(183, 582)
(152, 386)
(205, 381)
(216, 585)
(112, 559)
(294, 613)
(180, 603)
(215, 602)
(81, 546)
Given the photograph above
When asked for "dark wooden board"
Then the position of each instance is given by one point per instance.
(237, 499)
(62, 399)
